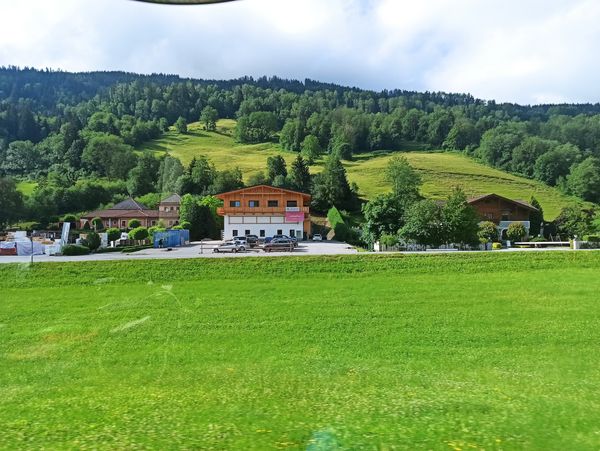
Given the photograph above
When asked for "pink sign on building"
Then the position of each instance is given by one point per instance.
(294, 216)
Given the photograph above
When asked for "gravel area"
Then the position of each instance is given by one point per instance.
(195, 250)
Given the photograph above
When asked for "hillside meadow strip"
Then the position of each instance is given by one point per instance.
(458, 351)
(441, 171)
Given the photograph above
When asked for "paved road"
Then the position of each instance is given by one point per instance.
(195, 250)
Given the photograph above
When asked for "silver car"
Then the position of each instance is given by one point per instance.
(230, 246)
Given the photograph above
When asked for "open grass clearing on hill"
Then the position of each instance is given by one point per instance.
(441, 171)
(494, 351)
(26, 187)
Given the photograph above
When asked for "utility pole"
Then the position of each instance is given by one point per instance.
(31, 241)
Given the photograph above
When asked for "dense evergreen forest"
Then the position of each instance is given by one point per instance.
(74, 132)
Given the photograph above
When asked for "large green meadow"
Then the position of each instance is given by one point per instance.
(464, 351)
(441, 171)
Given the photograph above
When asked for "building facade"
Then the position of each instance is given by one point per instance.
(502, 211)
(168, 210)
(120, 214)
(265, 211)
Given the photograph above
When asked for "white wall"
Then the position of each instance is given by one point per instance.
(254, 224)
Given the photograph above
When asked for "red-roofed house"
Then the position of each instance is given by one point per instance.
(120, 214)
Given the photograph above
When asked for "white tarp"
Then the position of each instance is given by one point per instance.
(26, 248)
(7, 244)
(64, 236)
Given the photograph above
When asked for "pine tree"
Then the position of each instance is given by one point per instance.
(536, 218)
(300, 175)
(331, 188)
(276, 166)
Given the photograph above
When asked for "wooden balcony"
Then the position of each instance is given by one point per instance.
(275, 211)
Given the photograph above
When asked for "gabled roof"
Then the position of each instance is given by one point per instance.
(172, 199)
(128, 208)
(111, 213)
(129, 204)
(521, 203)
(267, 187)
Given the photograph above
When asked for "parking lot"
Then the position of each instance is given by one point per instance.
(197, 250)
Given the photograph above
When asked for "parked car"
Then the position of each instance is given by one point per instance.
(279, 244)
(317, 237)
(241, 239)
(252, 240)
(230, 246)
(285, 237)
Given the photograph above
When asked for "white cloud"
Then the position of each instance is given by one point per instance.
(527, 51)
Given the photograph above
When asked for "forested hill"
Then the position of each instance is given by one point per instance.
(51, 90)
(59, 127)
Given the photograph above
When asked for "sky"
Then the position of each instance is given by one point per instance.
(525, 51)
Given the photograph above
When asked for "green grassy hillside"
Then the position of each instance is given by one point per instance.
(26, 187)
(383, 352)
(440, 171)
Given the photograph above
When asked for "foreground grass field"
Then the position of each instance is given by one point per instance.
(441, 172)
(476, 351)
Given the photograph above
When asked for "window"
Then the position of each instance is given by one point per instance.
(273, 203)
(279, 232)
(262, 233)
(292, 203)
(234, 203)
(123, 224)
(292, 233)
(504, 216)
(247, 232)
(234, 232)
(253, 203)
(153, 223)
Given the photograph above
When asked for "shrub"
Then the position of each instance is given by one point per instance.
(488, 231)
(130, 249)
(139, 233)
(108, 249)
(69, 218)
(134, 223)
(152, 230)
(538, 239)
(516, 231)
(177, 227)
(113, 234)
(340, 228)
(98, 224)
(75, 249)
(86, 226)
(185, 225)
(92, 241)
(592, 238)
(388, 240)
(497, 246)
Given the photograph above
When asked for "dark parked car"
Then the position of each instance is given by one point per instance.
(252, 240)
(285, 237)
(279, 244)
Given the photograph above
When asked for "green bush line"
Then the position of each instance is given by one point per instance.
(131, 271)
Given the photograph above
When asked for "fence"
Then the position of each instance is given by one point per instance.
(171, 238)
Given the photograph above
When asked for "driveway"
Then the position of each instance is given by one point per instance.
(195, 250)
